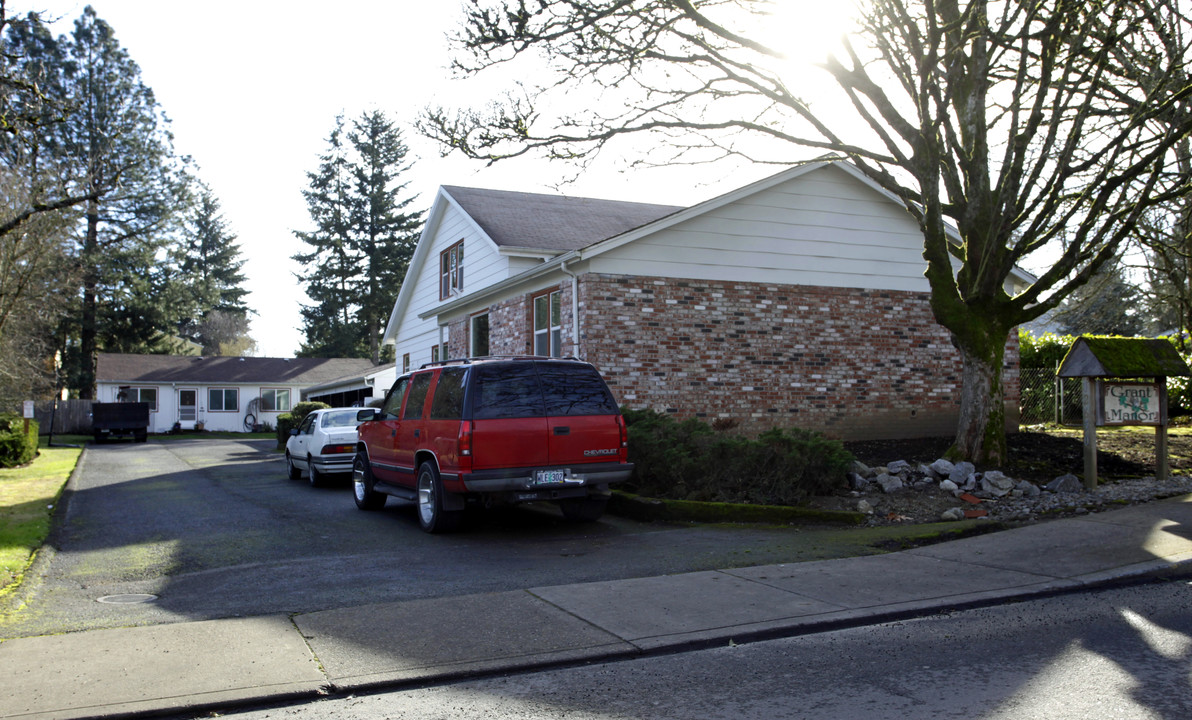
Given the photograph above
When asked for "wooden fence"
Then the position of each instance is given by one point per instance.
(68, 416)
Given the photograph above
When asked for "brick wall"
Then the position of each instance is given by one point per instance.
(851, 363)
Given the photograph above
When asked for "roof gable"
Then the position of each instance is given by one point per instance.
(126, 368)
(551, 222)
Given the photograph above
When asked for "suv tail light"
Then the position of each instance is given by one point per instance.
(624, 456)
(464, 443)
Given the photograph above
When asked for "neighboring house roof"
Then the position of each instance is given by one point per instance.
(551, 222)
(121, 368)
(359, 378)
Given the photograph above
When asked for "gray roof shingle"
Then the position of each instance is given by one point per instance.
(115, 367)
(552, 222)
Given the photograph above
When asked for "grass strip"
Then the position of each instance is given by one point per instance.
(28, 495)
(646, 509)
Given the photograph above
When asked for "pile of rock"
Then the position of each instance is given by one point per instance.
(954, 491)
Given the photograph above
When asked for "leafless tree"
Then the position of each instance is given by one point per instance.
(1043, 126)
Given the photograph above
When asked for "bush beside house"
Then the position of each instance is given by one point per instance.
(689, 460)
(17, 447)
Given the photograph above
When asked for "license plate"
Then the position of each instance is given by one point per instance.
(550, 477)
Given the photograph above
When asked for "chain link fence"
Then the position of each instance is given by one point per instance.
(1049, 399)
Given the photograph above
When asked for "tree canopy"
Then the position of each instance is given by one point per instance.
(1033, 129)
(363, 239)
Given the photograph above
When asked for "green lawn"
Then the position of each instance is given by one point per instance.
(27, 497)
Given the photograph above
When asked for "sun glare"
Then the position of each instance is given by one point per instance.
(806, 31)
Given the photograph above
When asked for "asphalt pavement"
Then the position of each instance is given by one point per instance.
(198, 667)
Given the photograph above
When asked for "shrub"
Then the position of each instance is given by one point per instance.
(688, 460)
(16, 446)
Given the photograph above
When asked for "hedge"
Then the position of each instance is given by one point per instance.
(17, 447)
(689, 460)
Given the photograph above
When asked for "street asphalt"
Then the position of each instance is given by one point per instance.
(212, 665)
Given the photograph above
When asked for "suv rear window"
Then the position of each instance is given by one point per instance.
(506, 390)
(538, 389)
(574, 389)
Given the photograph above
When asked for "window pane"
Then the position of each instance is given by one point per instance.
(541, 342)
(230, 399)
(540, 312)
(480, 336)
(555, 320)
(418, 389)
(215, 399)
(392, 404)
(574, 389)
(506, 392)
(448, 403)
(282, 402)
(556, 343)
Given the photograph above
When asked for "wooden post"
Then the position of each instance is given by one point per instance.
(1090, 433)
(1162, 467)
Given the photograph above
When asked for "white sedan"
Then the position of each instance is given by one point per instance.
(324, 444)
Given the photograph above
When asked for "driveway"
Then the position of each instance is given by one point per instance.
(214, 529)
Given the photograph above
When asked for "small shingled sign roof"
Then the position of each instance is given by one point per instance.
(1122, 358)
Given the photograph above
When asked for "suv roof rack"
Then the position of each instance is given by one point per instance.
(484, 358)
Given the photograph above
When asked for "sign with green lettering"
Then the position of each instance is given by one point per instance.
(1131, 404)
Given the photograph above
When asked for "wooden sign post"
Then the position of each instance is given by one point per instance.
(1112, 371)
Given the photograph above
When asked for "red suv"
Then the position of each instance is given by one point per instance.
(493, 430)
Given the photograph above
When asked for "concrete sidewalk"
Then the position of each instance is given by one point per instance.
(201, 666)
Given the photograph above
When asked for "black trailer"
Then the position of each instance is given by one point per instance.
(121, 418)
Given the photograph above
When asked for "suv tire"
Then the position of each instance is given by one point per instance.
(362, 486)
(431, 515)
(585, 509)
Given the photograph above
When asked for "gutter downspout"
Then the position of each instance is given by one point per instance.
(574, 308)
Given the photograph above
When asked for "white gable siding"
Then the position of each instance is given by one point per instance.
(483, 266)
(820, 229)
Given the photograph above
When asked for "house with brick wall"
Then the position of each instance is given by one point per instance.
(798, 300)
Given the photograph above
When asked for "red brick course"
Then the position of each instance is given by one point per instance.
(851, 363)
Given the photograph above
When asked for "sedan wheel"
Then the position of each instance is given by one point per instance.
(312, 472)
(295, 473)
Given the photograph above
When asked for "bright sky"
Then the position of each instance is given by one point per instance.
(253, 88)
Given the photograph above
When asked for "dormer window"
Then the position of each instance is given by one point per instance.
(451, 271)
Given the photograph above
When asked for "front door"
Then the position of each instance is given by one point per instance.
(186, 408)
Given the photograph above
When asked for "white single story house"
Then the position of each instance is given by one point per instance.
(798, 300)
(355, 390)
(222, 393)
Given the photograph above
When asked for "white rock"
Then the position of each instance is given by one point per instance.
(949, 486)
(952, 514)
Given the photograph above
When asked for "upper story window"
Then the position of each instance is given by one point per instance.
(451, 271)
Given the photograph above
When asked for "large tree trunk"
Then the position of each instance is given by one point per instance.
(89, 330)
(981, 430)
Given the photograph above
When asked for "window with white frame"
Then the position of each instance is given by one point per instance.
(451, 271)
(548, 325)
(275, 399)
(223, 399)
(479, 336)
(139, 394)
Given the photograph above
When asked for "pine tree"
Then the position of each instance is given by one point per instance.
(114, 143)
(363, 239)
(210, 280)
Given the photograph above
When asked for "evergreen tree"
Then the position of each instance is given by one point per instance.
(210, 280)
(114, 142)
(363, 240)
